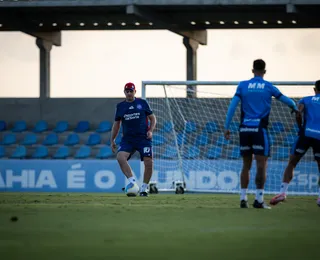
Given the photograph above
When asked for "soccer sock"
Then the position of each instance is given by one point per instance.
(284, 187)
(144, 187)
(259, 195)
(243, 195)
(132, 180)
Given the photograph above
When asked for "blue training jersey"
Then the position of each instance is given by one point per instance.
(311, 122)
(134, 117)
(256, 97)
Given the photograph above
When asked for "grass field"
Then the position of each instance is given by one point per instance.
(113, 226)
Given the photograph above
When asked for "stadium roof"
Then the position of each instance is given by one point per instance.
(57, 15)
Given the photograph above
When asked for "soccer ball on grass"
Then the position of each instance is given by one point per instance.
(132, 190)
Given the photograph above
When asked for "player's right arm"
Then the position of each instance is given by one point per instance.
(115, 129)
(231, 110)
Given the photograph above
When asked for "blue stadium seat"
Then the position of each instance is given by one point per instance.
(289, 139)
(277, 127)
(61, 127)
(192, 152)
(2, 152)
(19, 153)
(234, 127)
(104, 126)
(82, 126)
(72, 139)
(41, 126)
(104, 153)
(51, 139)
(118, 140)
(282, 153)
(3, 126)
(167, 126)
(40, 153)
(63, 152)
(158, 139)
(202, 139)
(235, 153)
(191, 127)
(170, 152)
(272, 139)
(211, 127)
(9, 139)
(29, 139)
(182, 139)
(222, 141)
(94, 139)
(83, 152)
(295, 129)
(214, 152)
(19, 126)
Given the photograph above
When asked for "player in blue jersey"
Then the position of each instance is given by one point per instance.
(309, 136)
(134, 114)
(255, 96)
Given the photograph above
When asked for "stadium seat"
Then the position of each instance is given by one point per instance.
(19, 126)
(41, 126)
(19, 153)
(202, 139)
(61, 127)
(82, 126)
(235, 153)
(289, 139)
(104, 126)
(170, 152)
(63, 152)
(9, 139)
(29, 139)
(83, 152)
(277, 127)
(214, 152)
(72, 139)
(191, 127)
(2, 152)
(94, 139)
(272, 139)
(222, 141)
(295, 129)
(51, 139)
(118, 140)
(40, 153)
(3, 126)
(282, 153)
(234, 127)
(192, 152)
(182, 139)
(211, 127)
(167, 126)
(104, 153)
(158, 139)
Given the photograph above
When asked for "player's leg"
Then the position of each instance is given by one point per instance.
(316, 152)
(261, 150)
(246, 153)
(299, 148)
(145, 149)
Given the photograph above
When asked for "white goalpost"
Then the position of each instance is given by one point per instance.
(190, 150)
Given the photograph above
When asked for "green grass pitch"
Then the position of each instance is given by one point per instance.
(61, 226)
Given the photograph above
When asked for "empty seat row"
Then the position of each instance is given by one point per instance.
(61, 126)
(62, 152)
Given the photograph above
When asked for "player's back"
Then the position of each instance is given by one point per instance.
(312, 116)
(256, 97)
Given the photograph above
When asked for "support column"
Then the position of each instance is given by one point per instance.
(45, 48)
(192, 47)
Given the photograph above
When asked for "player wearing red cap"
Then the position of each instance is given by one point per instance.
(134, 114)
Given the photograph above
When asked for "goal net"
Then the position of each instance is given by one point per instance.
(189, 146)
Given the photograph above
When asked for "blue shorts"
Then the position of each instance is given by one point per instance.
(303, 143)
(143, 146)
(254, 140)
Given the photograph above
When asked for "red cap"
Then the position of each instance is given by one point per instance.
(130, 85)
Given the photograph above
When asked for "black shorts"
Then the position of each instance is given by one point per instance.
(254, 140)
(303, 143)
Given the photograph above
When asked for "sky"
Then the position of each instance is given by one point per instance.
(99, 63)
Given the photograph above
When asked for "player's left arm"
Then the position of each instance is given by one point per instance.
(152, 118)
(231, 110)
(284, 99)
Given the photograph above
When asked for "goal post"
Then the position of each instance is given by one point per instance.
(189, 147)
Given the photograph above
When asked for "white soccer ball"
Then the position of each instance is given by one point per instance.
(132, 190)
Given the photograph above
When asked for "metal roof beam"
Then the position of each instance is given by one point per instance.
(197, 35)
(52, 37)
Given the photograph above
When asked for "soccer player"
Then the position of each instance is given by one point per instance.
(134, 114)
(309, 136)
(255, 96)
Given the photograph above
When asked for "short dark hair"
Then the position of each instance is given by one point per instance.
(259, 65)
(317, 85)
